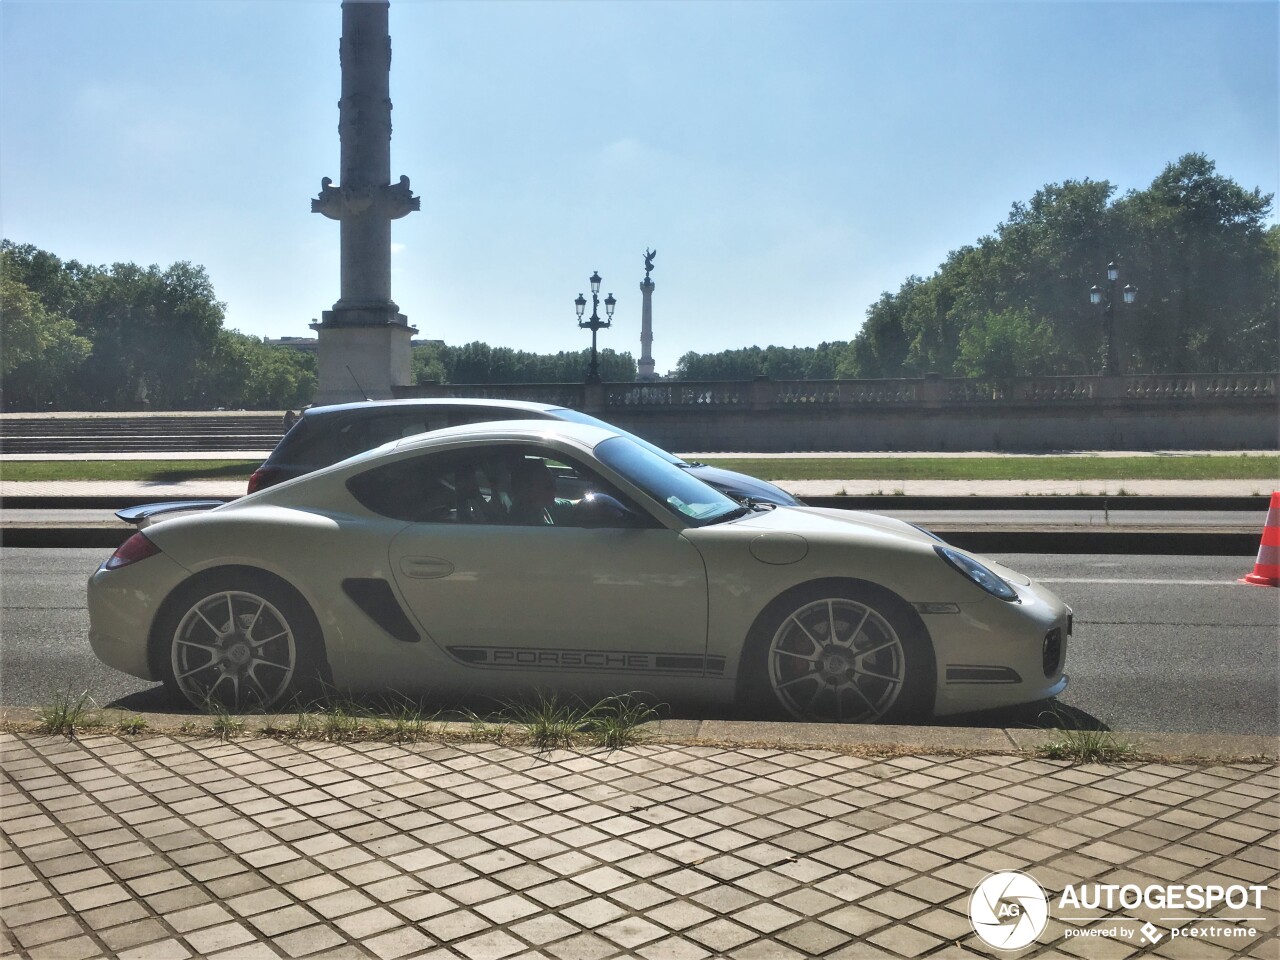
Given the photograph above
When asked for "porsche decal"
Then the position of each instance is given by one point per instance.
(529, 657)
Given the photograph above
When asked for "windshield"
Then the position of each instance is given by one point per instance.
(679, 492)
(574, 416)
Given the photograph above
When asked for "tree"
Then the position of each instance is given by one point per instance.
(39, 351)
(1006, 344)
(1199, 253)
(150, 328)
(1193, 243)
(92, 337)
(241, 371)
(478, 362)
(822, 362)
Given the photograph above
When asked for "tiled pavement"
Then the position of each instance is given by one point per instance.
(168, 847)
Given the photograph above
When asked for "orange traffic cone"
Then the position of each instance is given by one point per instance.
(1266, 571)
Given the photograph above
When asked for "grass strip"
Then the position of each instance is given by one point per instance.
(1218, 467)
(153, 471)
(1242, 467)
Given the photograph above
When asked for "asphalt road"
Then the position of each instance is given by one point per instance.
(1161, 644)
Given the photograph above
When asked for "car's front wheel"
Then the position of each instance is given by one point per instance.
(841, 654)
(236, 643)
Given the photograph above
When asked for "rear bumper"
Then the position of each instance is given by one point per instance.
(122, 608)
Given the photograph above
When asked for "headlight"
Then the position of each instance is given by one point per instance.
(971, 568)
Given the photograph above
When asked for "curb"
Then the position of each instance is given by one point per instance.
(841, 738)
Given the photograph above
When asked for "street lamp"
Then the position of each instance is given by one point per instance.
(1110, 362)
(594, 324)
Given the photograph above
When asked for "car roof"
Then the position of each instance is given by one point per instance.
(428, 402)
(585, 435)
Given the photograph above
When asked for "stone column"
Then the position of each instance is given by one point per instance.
(364, 347)
(645, 367)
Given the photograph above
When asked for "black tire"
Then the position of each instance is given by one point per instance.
(879, 668)
(237, 641)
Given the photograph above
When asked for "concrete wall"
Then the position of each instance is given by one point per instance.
(1218, 412)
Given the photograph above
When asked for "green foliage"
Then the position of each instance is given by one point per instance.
(40, 351)
(125, 337)
(1005, 344)
(1080, 742)
(480, 363)
(822, 362)
(240, 371)
(1016, 303)
(67, 712)
(1192, 467)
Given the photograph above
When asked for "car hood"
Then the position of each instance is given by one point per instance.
(819, 521)
(741, 485)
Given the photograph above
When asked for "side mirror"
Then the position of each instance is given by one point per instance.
(605, 510)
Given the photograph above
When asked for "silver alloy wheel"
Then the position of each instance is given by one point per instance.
(233, 649)
(836, 659)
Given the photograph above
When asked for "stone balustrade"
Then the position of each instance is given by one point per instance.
(1179, 412)
(1230, 411)
(929, 390)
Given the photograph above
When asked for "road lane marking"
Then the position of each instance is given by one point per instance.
(1175, 583)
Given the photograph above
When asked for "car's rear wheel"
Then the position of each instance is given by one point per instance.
(237, 643)
(840, 654)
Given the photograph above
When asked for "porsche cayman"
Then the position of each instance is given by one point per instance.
(507, 557)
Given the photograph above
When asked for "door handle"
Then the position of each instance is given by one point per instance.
(425, 568)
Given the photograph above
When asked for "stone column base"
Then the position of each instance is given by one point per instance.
(378, 358)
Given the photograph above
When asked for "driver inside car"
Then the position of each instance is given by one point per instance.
(533, 496)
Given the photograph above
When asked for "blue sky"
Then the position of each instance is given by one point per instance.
(789, 161)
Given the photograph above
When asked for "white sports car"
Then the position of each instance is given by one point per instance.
(506, 557)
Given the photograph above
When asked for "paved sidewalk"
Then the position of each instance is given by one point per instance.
(170, 847)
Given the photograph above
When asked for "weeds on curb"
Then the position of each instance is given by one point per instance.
(614, 722)
(67, 713)
(405, 722)
(618, 720)
(483, 728)
(132, 725)
(341, 721)
(1079, 745)
(226, 727)
(551, 722)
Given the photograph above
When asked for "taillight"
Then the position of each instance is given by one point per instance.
(132, 550)
(262, 478)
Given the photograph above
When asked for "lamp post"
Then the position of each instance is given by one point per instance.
(594, 324)
(1110, 362)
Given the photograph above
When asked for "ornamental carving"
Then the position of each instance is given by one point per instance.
(391, 200)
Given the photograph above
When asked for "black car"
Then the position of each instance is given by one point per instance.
(325, 435)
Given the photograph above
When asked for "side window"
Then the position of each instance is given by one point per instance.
(460, 487)
(508, 484)
(549, 489)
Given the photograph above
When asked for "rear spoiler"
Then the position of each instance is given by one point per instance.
(147, 513)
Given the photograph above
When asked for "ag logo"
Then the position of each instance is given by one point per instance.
(1008, 910)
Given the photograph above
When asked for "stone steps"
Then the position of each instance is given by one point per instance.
(138, 433)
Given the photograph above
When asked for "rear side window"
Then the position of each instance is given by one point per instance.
(317, 442)
(445, 488)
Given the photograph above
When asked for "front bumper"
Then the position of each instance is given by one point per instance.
(994, 653)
